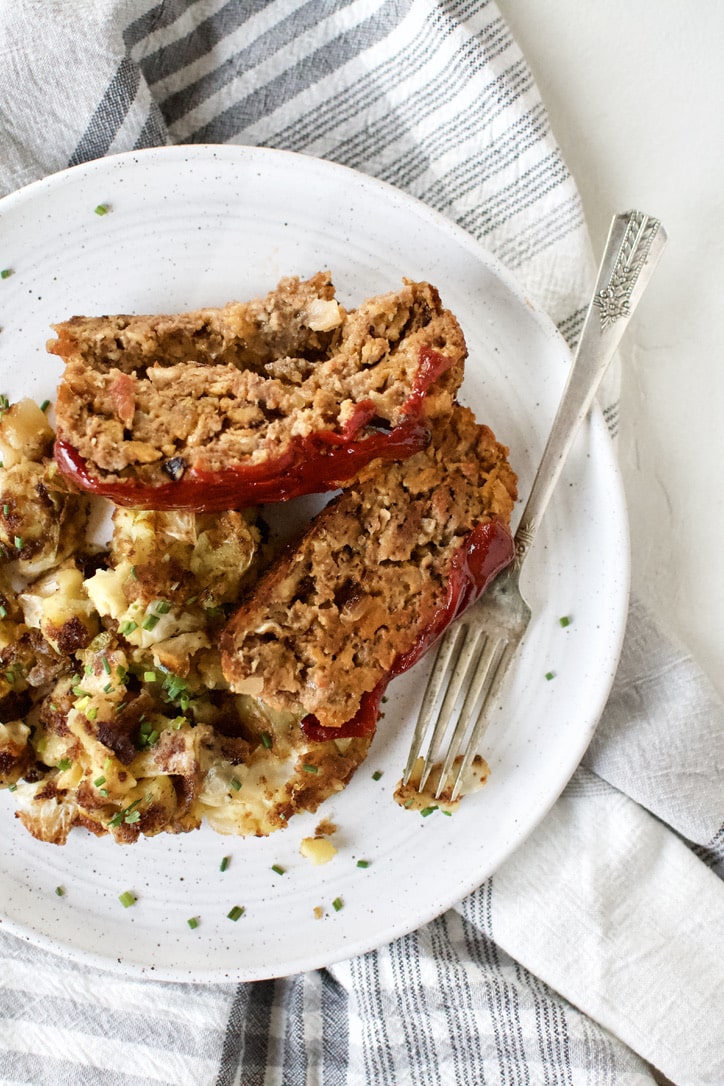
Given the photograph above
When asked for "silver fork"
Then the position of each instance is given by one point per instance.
(475, 654)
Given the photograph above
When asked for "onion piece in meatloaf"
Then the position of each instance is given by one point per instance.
(253, 402)
(375, 580)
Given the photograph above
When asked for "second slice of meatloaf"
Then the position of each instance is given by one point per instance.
(255, 401)
(376, 578)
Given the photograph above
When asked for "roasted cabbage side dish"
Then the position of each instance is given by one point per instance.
(114, 712)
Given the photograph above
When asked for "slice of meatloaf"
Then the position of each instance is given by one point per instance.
(256, 401)
(376, 578)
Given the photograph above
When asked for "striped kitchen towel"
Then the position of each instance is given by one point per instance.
(593, 956)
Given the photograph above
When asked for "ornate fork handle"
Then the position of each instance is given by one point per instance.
(635, 244)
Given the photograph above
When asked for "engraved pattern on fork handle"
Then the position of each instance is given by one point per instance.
(614, 299)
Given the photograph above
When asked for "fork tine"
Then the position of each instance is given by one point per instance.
(483, 661)
(434, 694)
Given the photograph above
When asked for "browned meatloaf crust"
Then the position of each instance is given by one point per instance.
(154, 398)
(332, 617)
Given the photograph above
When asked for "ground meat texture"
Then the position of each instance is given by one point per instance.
(289, 322)
(254, 395)
(370, 580)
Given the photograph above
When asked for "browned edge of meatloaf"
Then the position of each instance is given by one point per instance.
(298, 319)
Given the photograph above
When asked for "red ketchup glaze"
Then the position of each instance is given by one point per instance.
(321, 461)
(487, 549)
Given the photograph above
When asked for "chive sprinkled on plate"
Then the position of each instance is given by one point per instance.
(377, 774)
(363, 863)
(337, 904)
(60, 891)
(279, 869)
(550, 675)
(127, 899)
(6, 273)
(102, 209)
(564, 620)
(226, 860)
(193, 922)
(236, 912)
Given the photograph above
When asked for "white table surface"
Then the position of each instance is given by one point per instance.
(635, 94)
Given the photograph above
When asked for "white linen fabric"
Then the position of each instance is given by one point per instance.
(593, 957)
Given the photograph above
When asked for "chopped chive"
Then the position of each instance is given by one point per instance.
(309, 767)
(150, 621)
(133, 573)
(92, 713)
(129, 814)
(128, 627)
(363, 863)
(64, 763)
(10, 676)
(236, 912)
(235, 783)
(409, 802)
(226, 860)
(149, 676)
(147, 734)
(193, 922)
(45, 405)
(3, 611)
(174, 686)
(6, 273)
(106, 665)
(448, 813)
(102, 209)
(127, 899)
(59, 891)
(19, 542)
(428, 810)
(550, 675)
(107, 688)
(103, 792)
(337, 904)
(564, 620)
(6, 510)
(163, 607)
(266, 740)
(377, 774)
(12, 788)
(279, 869)
(80, 692)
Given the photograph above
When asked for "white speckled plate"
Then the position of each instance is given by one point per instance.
(200, 226)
